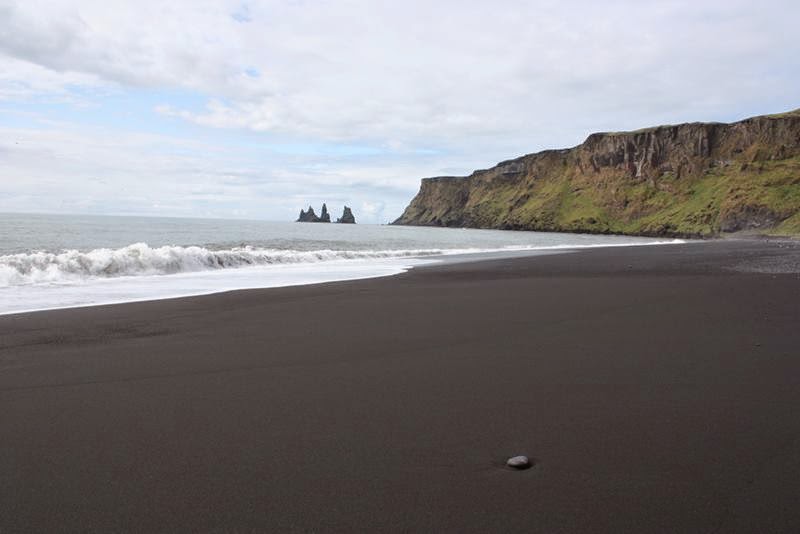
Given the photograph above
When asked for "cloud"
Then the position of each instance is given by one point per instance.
(63, 168)
(429, 86)
(418, 70)
(23, 81)
(136, 44)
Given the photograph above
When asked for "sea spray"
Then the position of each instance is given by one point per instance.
(58, 261)
(140, 259)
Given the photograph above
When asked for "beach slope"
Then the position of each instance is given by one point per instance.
(655, 388)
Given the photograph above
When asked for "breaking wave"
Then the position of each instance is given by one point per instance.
(142, 260)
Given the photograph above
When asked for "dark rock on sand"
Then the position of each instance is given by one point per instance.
(519, 462)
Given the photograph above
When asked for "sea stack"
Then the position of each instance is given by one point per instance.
(308, 216)
(324, 216)
(347, 217)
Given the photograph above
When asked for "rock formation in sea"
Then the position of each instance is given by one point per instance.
(324, 216)
(308, 216)
(696, 179)
(347, 217)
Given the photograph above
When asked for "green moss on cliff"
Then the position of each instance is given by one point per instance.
(687, 180)
(793, 113)
(789, 227)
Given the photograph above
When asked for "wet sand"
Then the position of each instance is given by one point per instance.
(656, 388)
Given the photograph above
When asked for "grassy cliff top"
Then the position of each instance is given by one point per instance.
(785, 115)
(693, 179)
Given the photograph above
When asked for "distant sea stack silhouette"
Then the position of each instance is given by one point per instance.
(325, 217)
(308, 216)
(347, 217)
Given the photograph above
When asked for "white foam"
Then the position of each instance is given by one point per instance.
(140, 259)
(40, 281)
(98, 291)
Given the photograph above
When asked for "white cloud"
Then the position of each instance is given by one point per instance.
(418, 70)
(22, 80)
(475, 81)
(143, 43)
(60, 168)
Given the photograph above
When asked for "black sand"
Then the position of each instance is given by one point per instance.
(657, 389)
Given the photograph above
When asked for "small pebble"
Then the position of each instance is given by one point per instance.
(519, 462)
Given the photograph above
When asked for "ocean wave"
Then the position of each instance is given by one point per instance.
(140, 259)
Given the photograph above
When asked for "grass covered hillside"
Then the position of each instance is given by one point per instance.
(698, 179)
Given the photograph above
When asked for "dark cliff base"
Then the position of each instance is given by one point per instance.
(655, 388)
(695, 180)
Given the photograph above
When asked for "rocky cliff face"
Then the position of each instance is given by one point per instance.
(324, 216)
(308, 216)
(347, 216)
(697, 179)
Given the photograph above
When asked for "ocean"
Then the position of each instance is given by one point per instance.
(62, 261)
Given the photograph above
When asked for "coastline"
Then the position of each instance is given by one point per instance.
(124, 289)
(654, 387)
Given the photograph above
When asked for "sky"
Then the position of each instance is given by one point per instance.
(231, 109)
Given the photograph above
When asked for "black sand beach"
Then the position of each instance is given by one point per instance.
(656, 388)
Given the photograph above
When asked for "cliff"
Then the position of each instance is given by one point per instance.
(697, 179)
(310, 216)
(325, 217)
(347, 216)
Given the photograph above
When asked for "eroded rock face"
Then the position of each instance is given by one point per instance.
(694, 179)
(308, 216)
(740, 218)
(347, 217)
(324, 216)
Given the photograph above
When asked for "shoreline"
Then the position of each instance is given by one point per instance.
(348, 271)
(655, 389)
